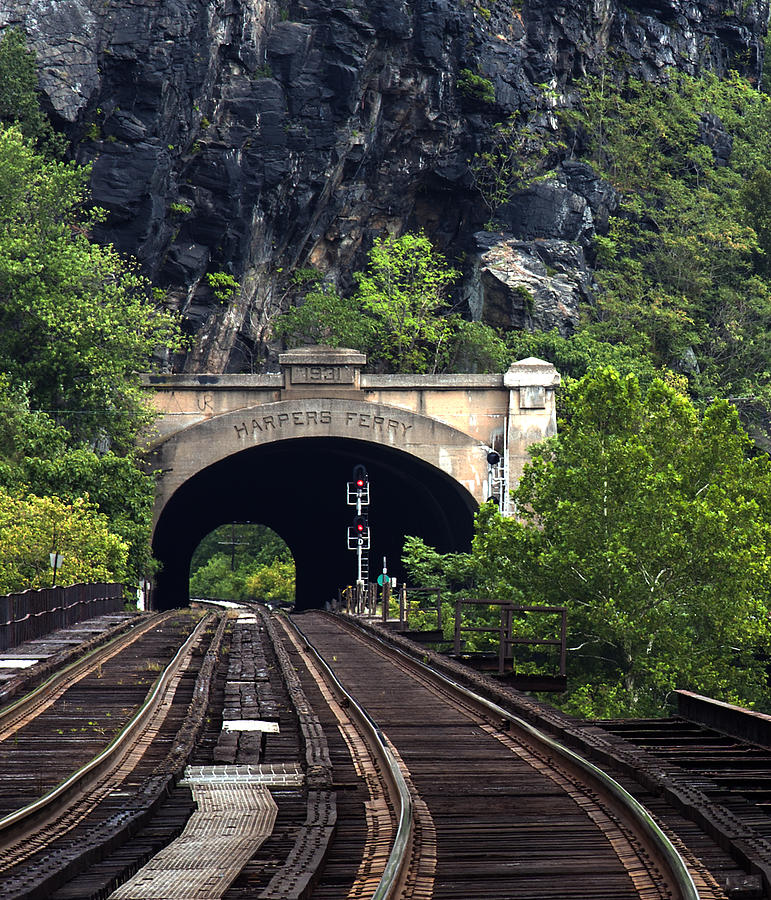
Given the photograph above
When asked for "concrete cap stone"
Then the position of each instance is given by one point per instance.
(322, 356)
(531, 372)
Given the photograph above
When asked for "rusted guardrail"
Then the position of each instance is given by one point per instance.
(31, 614)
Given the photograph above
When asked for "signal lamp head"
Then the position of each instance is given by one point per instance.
(360, 524)
(360, 477)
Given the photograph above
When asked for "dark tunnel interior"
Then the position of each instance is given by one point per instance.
(298, 488)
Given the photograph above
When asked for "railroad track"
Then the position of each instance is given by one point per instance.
(448, 796)
(718, 757)
(731, 770)
(499, 811)
(24, 710)
(86, 756)
(248, 752)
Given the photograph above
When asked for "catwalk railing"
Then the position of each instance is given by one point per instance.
(32, 614)
(483, 629)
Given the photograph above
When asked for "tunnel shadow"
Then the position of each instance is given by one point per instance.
(298, 488)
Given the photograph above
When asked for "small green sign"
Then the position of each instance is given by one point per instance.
(381, 579)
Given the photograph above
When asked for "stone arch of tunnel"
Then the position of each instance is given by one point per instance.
(297, 487)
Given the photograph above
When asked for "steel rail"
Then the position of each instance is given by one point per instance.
(17, 823)
(78, 668)
(639, 814)
(394, 871)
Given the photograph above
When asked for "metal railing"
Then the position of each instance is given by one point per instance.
(32, 614)
(412, 600)
(362, 600)
(505, 630)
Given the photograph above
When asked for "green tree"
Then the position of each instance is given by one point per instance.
(274, 583)
(515, 153)
(652, 524)
(399, 314)
(583, 352)
(76, 326)
(32, 527)
(245, 543)
(327, 318)
(229, 557)
(219, 580)
(456, 575)
(683, 267)
(76, 320)
(404, 290)
(36, 456)
(19, 103)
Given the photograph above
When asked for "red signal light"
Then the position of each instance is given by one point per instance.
(360, 477)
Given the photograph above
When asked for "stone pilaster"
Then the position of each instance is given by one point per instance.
(532, 410)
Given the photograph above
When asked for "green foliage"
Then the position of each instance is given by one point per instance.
(482, 574)
(326, 318)
(404, 290)
(32, 527)
(475, 87)
(766, 76)
(18, 94)
(76, 325)
(515, 154)
(216, 579)
(225, 287)
(457, 576)
(583, 352)
(476, 347)
(36, 456)
(114, 484)
(76, 320)
(398, 313)
(451, 572)
(652, 524)
(274, 583)
(228, 559)
(307, 275)
(243, 542)
(683, 269)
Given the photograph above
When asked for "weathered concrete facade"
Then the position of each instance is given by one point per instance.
(279, 449)
(450, 422)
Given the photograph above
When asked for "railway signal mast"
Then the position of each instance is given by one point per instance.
(358, 533)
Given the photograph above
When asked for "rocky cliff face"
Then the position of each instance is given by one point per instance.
(256, 136)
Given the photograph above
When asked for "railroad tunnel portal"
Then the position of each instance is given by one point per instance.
(278, 450)
(298, 488)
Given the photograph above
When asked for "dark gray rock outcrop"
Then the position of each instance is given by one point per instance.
(254, 136)
(572, 204)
